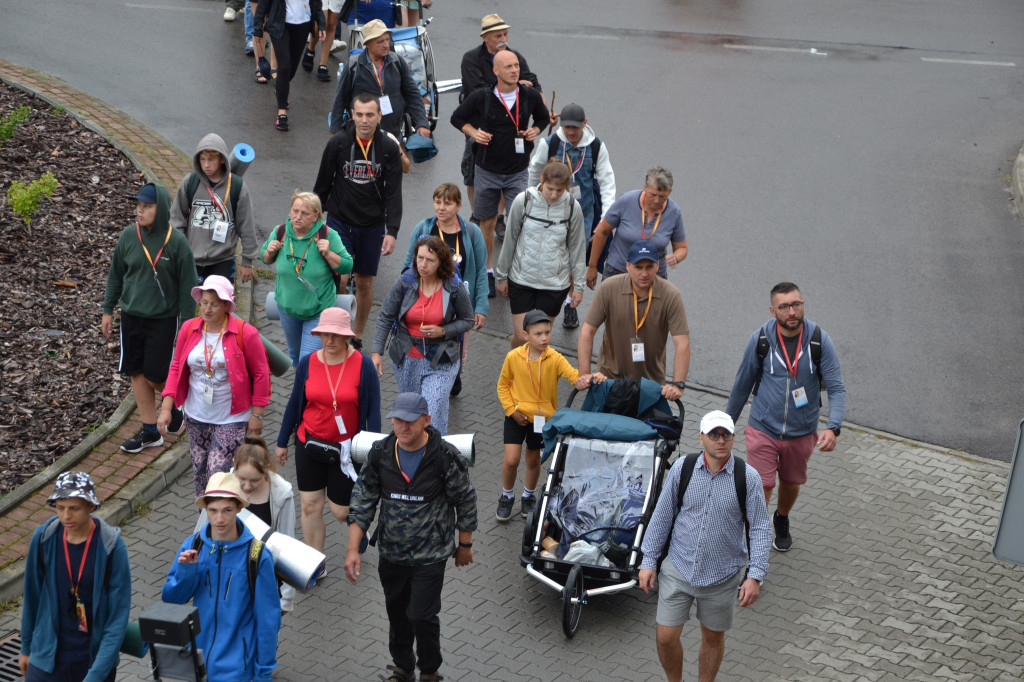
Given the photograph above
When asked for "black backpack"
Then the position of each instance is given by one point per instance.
(623, 398)
(763, 348)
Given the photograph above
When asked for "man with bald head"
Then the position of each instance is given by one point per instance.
(498, 120)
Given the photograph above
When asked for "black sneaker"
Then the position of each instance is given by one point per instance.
(570, 318)
(504, 512)
(177, 424)
(307, 60)
(323, 74)
(783, 540)
(527, 505)
(491, 291)
(499, 228)
(142, 440)
(457, 387)
(356, 343)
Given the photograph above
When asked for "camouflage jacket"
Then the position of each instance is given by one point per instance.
(419, 518)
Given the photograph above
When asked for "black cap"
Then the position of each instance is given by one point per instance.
(533, 317)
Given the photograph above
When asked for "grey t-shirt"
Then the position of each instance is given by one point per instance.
(626, 217)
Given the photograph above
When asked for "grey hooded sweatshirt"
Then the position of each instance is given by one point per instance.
(196, 218)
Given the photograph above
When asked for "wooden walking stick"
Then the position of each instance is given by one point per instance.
(551, 118)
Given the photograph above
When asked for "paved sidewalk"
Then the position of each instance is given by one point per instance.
(891, 576)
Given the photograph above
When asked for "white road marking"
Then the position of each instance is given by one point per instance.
(563, 34)
(965, 61)
(768, 48)
(168, 7)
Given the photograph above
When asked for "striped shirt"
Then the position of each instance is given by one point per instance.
(708, 540)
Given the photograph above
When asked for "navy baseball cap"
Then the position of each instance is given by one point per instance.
(408, 407)
(642, 250)
(147, 194)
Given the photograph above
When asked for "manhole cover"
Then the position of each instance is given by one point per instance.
(10, 649)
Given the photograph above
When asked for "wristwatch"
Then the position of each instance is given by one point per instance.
(836, 430)
(681, 385)
(467, 545)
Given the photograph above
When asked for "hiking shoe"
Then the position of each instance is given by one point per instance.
(323, 74)
(229, 14)
(398, 675)
(142, 440)
(430, 677)
(499, 228)
(338, 45)
(491, 291)
(504, 512)
(177, 424)
(570, 318)
(356, 343)
(282, 123)
(457, 387)
(783, 540)
(307, 60)
(527, 505)
(248, 47)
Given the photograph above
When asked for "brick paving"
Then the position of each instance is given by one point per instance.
(891, 575)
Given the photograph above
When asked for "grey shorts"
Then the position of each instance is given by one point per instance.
(716, 604)
(489, 188)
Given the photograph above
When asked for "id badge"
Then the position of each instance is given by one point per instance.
(800, 396)
(538, 423)
(520, 144)
(575, 192)
(638, 349)
(340, 423)
(83, 623)
(220, 231)
(208, 394)
(385, 105)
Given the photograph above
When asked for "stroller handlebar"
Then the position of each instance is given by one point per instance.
(680, 410)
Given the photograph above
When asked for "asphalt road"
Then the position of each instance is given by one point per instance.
(861, 150)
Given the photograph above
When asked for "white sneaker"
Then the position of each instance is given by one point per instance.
(338, 45)
(229, 14)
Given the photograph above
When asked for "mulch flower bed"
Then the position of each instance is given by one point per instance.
(58, 375)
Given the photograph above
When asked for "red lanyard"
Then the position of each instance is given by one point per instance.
(399, 465)
(515, 119)
(380, 76)
(568, 161)
(643, 219)
(799, 346)
(81, 566)
(208, 352)
(333, 385)
(152, 263)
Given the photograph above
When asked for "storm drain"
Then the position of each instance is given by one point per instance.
(10, 649)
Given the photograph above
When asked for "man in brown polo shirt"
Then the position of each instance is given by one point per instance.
(642, 310)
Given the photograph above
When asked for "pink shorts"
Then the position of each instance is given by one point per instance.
(787, 457)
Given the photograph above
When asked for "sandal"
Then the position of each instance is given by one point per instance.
(323, 74)
(273, 74)
(398, 675)
(307, 60)
(282, 123)
(260, 78)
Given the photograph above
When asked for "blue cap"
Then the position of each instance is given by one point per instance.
(408, 407)
(147, 194)
(421, 148)
(643, 250)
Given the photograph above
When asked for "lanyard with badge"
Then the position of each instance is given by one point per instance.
(574, 189)
(636, 343)
(208, 356)
(385, 100)
(302, 260)
(220, 227)
(333, 385)
(520, 140)
(643, 219)
(77, 607)
(799, 393)
(152, 263)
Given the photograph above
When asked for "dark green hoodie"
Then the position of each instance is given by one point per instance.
(131, 276)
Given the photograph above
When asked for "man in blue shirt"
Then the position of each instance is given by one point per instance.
(703, 544)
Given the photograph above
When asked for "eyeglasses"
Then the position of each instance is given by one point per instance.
(719, 435)
(795, 305)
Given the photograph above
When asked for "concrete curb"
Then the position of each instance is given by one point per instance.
(1017, 183)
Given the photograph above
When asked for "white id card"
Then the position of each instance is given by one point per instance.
(538, 423)
(575, 192)
(385, 105)
(638, 349)
(800, 397)
(208, 394)
(520, 145)
(220, 231)
(341, 424)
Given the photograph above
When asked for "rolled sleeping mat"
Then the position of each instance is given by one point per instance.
(295, 562)
(463, 442)
(344, 301)
(241, 156)
(132, 644)
(278, 360)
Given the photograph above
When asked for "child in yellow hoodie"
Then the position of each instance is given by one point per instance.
(528, 390)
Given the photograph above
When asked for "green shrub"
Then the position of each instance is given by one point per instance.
(24, 197)
(10, 122)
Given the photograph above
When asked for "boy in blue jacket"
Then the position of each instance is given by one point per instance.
(239, 625)
(78, 590)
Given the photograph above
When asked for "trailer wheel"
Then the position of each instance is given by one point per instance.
(572, 601)
(528, 534)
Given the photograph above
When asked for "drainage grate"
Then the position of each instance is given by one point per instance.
(10, 649)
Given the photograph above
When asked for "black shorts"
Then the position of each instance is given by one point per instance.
(522, 299)
(225, 268)
(516, 434)
(362, 243)
(147, 346)
(312, 475)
